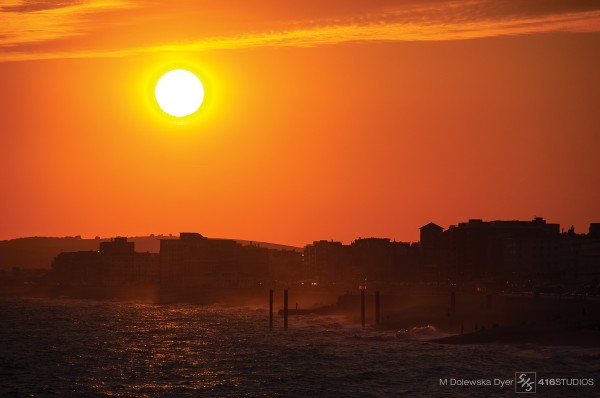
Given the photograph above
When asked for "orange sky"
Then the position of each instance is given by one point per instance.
(322, 120)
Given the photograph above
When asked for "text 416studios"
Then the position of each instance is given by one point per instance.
(523, 382)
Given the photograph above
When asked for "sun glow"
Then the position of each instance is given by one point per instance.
(179, 93)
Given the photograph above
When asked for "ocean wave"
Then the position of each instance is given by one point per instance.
(427, 332)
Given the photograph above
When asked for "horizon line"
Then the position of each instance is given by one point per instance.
(176, 236)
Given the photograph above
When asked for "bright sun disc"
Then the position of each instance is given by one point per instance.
(179, 93)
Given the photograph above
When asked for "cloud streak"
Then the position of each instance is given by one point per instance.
(429, 21)
(29, 22)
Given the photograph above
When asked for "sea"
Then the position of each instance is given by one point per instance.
(85, 348)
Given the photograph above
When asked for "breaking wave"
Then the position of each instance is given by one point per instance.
(428, 332)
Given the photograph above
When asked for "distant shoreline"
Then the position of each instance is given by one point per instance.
(512, 320)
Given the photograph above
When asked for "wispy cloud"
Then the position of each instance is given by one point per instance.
(48, 22)
(26, 22)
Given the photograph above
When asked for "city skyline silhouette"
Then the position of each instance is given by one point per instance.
(299, 199)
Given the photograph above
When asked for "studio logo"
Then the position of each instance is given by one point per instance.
(525, 382)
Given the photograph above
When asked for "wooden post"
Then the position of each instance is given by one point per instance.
(488, 301)
(285, 309)
(362, 307)
(377, 304)
(270, 308)
(452, 303)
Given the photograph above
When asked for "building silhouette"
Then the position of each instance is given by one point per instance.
(433, 257)
(115, 263)
(366, 260)
(579, 256)
(502, 249)
(194, 260)
(431, 236)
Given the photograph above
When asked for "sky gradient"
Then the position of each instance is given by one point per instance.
(322, 120)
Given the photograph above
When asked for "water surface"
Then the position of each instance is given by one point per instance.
(95, 348)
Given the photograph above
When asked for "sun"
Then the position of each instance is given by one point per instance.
(179, 93)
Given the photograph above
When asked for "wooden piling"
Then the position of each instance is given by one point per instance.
(285, 309)
(377, 306)
(362, 307)
(271, 309)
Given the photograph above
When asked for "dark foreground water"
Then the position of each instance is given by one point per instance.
(89, 348)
